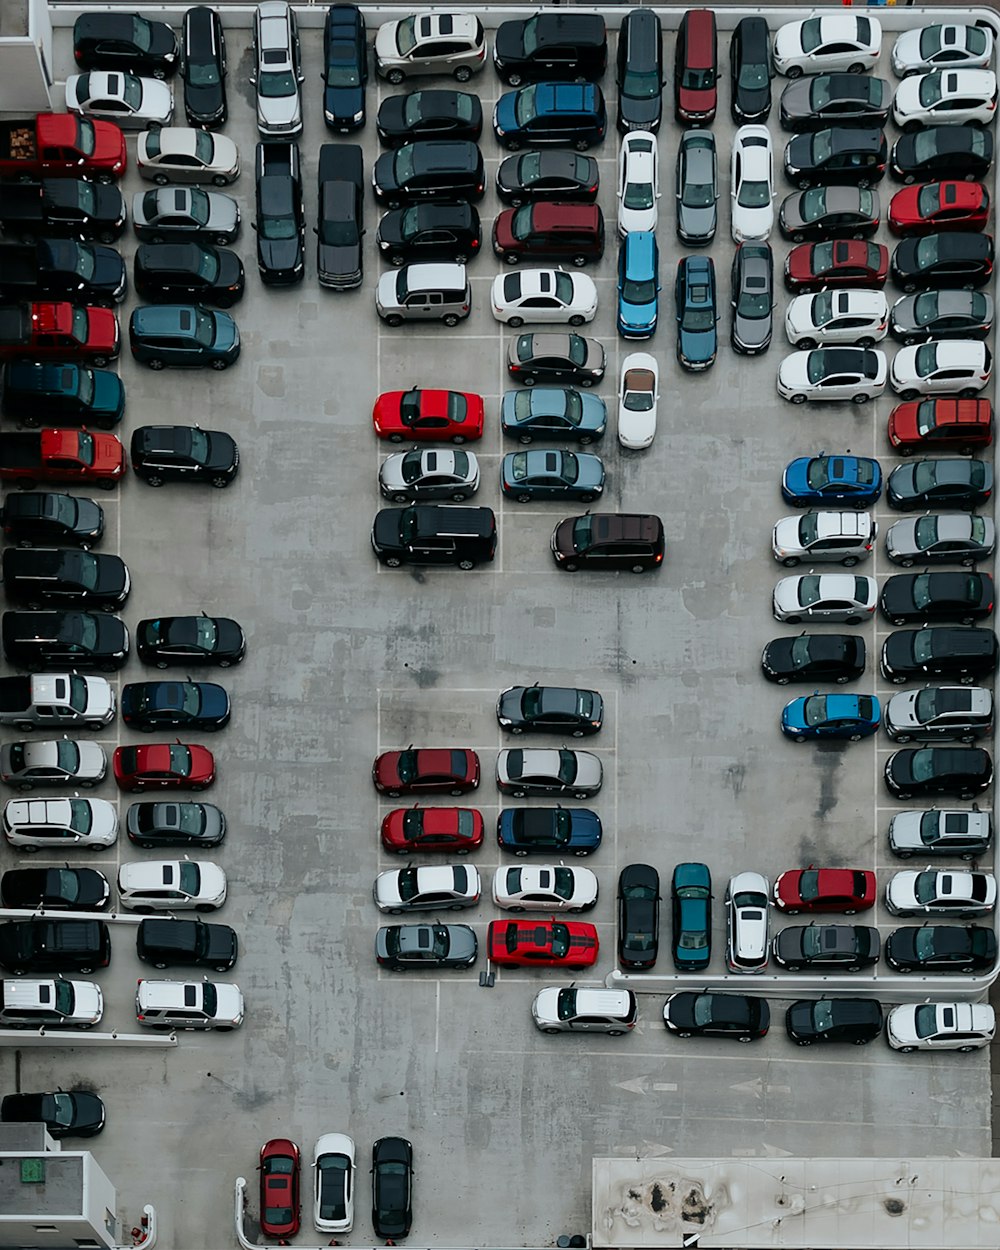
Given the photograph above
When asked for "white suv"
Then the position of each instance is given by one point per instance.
(566, 1009)
(277, 69)
(846, 537)
(430, 43)
(171, 885)
(55, 1003)
(189, 1005)
(860, 318)
(60, 823)
(747, 896)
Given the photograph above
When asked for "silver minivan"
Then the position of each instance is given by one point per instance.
(566, 1009)
(426, 292)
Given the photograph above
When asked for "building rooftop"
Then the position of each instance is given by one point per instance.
(58, 1192)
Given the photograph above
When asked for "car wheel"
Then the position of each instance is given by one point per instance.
(798, 399)
(450, 320)
(551, 1030)
(579, 261)
(745, 1039)
(684, 1033)
(861, 398)
(904, 794)
(806, 345)
(463, 73)
(155, 363)
(395, 438)
(219, 180)
(511, 258)
(803, 1041)
(911, 128)
(219, 365)
(392, 562)
(225, 663)
(515, 323)
(105, 236)
(804, 184)
(969, 392)
(466, 564)
(792, 620)
(521, 854)
(395, 76)
(582, 145)
(512, 145)
(907, 562)
(909, 288)
(794, 71)
(903, 738)
(455, 793)
(638, 568)
(222, 239)
(798, 738)
(798, 237)
(394, 320)
(458, 439)
(849, 562)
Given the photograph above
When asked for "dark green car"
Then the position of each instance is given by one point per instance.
(183, 334)
(691, 906)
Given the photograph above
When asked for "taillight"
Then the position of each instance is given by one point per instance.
(474, 244)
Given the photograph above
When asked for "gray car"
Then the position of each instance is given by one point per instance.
(697, 187)
(821, 100)
(553, 412)
(543, 772)
(53, 762)
(830, 212)
(753, 298)
(944, 538)
(529, 475)
(405, 946)
(433, 474)
(941, 315)
(171, 213)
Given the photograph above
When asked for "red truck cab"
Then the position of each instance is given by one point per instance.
(57, 329)
(61, 144)
(78, 455)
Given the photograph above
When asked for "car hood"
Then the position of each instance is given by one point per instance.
(505, 112)
(697, 345)
(384, 173)
(385, 530)
(752, 331)
(640, 113)
(343, 103)
(697, 221)
(89, 1000)
(636, 429)
(280, 253)
(338, 259)
(755, 102)
(205, 99)
(279, 110)
(509, 41)
(798, 152)
(230, 1001)
(221, 943)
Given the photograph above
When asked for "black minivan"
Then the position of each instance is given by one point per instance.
(750, 71)
(439, 169)
(435, 534)
(609, 540)
(54, 945)
(640, 72)
(203, 48)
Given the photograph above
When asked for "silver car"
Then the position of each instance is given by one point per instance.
(277, 69)
(567, 1009)
(946, 893)
(451, 886)
(747, 896)
(825, 597)
(430, 43)
(541, 771)
(697, 187)
(181, 213)
(130, 102)
(187, 154)
(52, 762)
(410, 476)
(953, 832)
(941, 538)
(846, 537)
(939, 712)
(424, 292)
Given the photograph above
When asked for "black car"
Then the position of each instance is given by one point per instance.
(570, 358)
(46, 640)
(153, 825)
(640, 71)
(78, 1113)
(65, 208)
(550, 709)
(340, 224)
(50, 517)
(912, 598)
(54, 945)
(551, 46)
(69, 889)
(951, 259)
(203, 68)
(280, 225)
(183, 453)
(199, 705)
(61, 393)
(752, 299)
(188, 943)
(638, 917)
(549, 175)
(750, 71)
(345, 68)
(941, 948)
(941, 315)
(62, 269)
(406, 947)
(943, 152)
(438, 169)
(435, 231)
(922, 772)
(814, 657)
(736, 1016)
(429, 115)
(815, 102)
(434, 534)
(392, 1182)
(125, 41)
(953, 652)
(203, 639)
(166, 273)
(955, 482)
(853, 156)
(56, 576)
(826, 947)
(830, 212)
(855, 1020)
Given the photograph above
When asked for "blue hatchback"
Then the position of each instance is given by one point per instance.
(638, 284)
(697, 313)
(549, 830)
(852, 716)
(691, 906)
(811, 480)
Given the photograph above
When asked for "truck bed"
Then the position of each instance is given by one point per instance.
(22, 450)
(21, 201)
(15, 323)
(17, 140)
(341, 162)
(15, 694)
(18, 267)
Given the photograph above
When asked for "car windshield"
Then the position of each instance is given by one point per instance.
(698, 317)
(279, 226)
(815, 714)
(812, 941)
(810, 34)
(406, 765)
(698, 194)
(821, 148)
(567, 767)
(406, 35)
(86, 136)
(559, 940)
(754, 194)
(274, 84)
(529, 36)
(81, 815)
(698, 79)
(81, 322)
(520, 224)
(77, 692)
(189, 877)
(84, 261)
(199, 206)
(925, 532)
(564, 287)
(65, 999)
(562, 882)
(925, 944)
(925, 888)
(642, 85)
(81, 567)
(923, 645)
(333, 1182)
(343, 73)
(204, 328)
(808, 527)
(639, 195)
(928, 251)
(922, 765)
(809, 589)
(190, 817)
(131, 91)
(524, 110)
(69, 883)
(180, 759)
(813, 205)
(566, 1005)
(640, 390)
(583, 528)
(82, 630)
(817, 367)
(926, 359)
(703, 1013)
(925, 1020)
(639, 290)
(822, 1015)
(930, 89)
(201, 73)
(800, 647)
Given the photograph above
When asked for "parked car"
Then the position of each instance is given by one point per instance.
(455, 830)
(746, 922)
(696, 68)
(549, 230)
(35, 393)
(402, 947)
(942, 365)
(909, 598)
(125, 41)
(542, 943)
(638, 181)
(339, 225)
(434, 535)
(951, 96)
(566, 1009)
(185, 213)
(951, 893)
(167, 272)
(430, 43)
(825, 597)
(187, 154)
(183, 335)
(280, 221)
(163, 765)
(555, 413)
(947, 832)
(48, 577)
(199, 705)
(820, 45)
(345, 68)
(825, 479)
(545, 887)
(55, 889)
(938, 152)
(838, 99)
(429, 169)
(153, 825)
(940, 1026)
(844, 537)
(919, 772)
(825, 211)
(334, 1164)
(424, 292)
(941, 315)
(940, 712)
(954, 259)
(36, 823)
(168, 943)
(65, 638)
(448, 887)
(541, 771)
(931, 948)
(638, 397)
(186, 640)
(955, 653)
(697, 313)
(639, 73)
(392, 1178)
(543, 295)
(814, 657)
(117, 96)
(609, 540)
(962, 425)
(935, 206)
(413, 476)
(548, 175)
(176, 1005)
(429, 115)
(943, 538)
(54, 946)
(697, 190)
(951, 482)
(852, 155)
(561, 113)
(277, 69)
(638, 917)
(551, 47)
(691, 917)
(856, 1020)
(550, 709)
(203, 62)
(857, 374)
(183, 453)
(638, 285)
(423, 771)
(752, 298)
(280, 1170)
(77, 1113)
(824, 716)
(838, 263)
(750, 70)
(171, 885)
(430, 231)
(845, 890)
(751, 184)
(548, 830)
(421, 415)
(739, 1017)
(556, 358)
(826, 947)
(955, 45)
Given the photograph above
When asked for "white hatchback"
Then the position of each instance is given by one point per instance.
(171, 885)
(948, 46)
(335, 1165)
(942, 366)
(825, 597)
(940, 1026)
(132, 103)
(187, 154)
(747, 896)
(450, 886)
(824, 45)
(833, 373)
(545, 887)
(859, 318)
(946, 97)
(568, 1009)
(60, 823)
(543, 295)
(638, 396)
(638, 182)
(752, 184)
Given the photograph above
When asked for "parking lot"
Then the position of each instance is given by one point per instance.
(347, 659)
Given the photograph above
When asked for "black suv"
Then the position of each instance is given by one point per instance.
(183, 453)
(845, 155)
(166, 273)
(435, 231)
(189, 943)
(280, 225)
(340, 222)
(85, 640)
(750, 71)
(429, 115)
(204, 67)
(441, 169)
(432, 534)
(554, 47)
(640, 71)
(959, 258)
(54, 945)
(58, 577)
(125, 41)
(345, 68)
(41, 516)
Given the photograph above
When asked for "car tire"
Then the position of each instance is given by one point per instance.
(909, 288)
(853, 738)
(803, 1041)
(515, 323)
(223, 240)
(219, 365)
(456, 793)
(684, 1033)
(155, 363)
(570, 567)
(852, 620)
(792, 620)
(523, 499)
(161, 664)
(798, 738)
(579, 261)
(460, 496)
(220, 483)
(582, 145)
(459, 439)
(861, 398)
(466, 565)
(849, 562)
(551, 1030)
(393, 320)
(638, 568)
(105, 236)
(450, 320)
(898, 681)
(805, 345)
(392, 562)
(903, 738)
(804, 184)
(513, 145)
(794, 71)
(968, 738)
(511, 258)
(969, 392)
(798, 237)
(220, 180)
(911, 128)
(798, 399)
(395, 77)
(904, 794)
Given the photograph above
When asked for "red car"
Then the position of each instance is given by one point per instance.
(457, 830)
(449, 770)
(57, 329)
(280, 1166)
(162, 765)
(845, 890)
(402, 416)
(936, 206)
(839, 262)
(929, 425)
(543, 943)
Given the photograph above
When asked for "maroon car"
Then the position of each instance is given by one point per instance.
(840, 262)
(280, 1167)
(448, 770)
(548, 230)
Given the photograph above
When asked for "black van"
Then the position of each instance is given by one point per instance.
(750, 71)
(84, 640)
(67, 577)
(432, 534)
(640, 71)
(551, 47)
(191, 943)
(54, 945)
(609, 540)
(440, 169)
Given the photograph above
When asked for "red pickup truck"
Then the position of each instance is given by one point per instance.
(61, 456)
(46, 330)
(60, 144)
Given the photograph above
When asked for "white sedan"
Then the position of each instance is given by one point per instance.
(544, 295)
(451, 886)
(638, 182)
(854, 373)
(946, 97)
(186, 154)
(947, 893)
(335, 1165)
(950, 46)
(940, 1026)
(57, 824)
(545, 887)
(825, 597)
(134, 103)
(752, 184)
(941, 366)
(171, 885)
(824, 45)
(638, 396)
(860, 318)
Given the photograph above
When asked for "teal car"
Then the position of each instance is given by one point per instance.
(691, 909)
(183, 334)
(697, 313)
(529, 475)
(638, 284)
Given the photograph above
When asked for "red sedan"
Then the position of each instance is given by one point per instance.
(939, 206)
(457, 830)
(929, 425)
(845, 890)
(416, 414)
(164, 765)
(450, 770)
(839, 262)
(543, 943)
(280, 1166)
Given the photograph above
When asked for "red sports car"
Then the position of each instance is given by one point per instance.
(450, 770)
(845, 890)
(929, 425)
(163, 765)
(936, 206)
(404, 416)
(839, 262)
(280, 1165)
(457, 830)
(543, 943)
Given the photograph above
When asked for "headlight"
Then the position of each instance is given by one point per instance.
(358, 116)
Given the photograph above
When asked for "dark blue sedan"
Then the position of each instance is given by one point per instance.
(691, 908)
(549, 830)
(809, 481)
(149, 705)
(697, 313)
(851, 716)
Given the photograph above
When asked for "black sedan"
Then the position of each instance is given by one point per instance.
(947, 260)
(408, 947)
(925, 772)
(954, 653)
(830, 212)
(943, 152)
(392, 1182)
(855, 1020)
(855, 156)
(71, 889)
(166, 273)
(550, 709)
(826, 947)
(345, 68)
(638, 917)
(814, 657)
(429, 115)
(166, 640)
(184, 453)
(912, 598)
(737, 1016)
(550, 175)
(425, 232)
(149, 705)
(814, 102)
(941, 948)
(941, 315)
(569, 358)
(151, 825)
(951, 483)
(78, 1113)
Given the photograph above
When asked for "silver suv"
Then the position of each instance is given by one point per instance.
(189, 1005)
(566, 1009)
(430, 43)
(846, 537)
(424, 293)
(54, 1003)
(277, 69)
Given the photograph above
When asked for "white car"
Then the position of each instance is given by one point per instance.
(638, 396)
(751, 185)
(451, 886)
(939, 712)
(747, 897)
(545, 887)
(950, 46)
(941, 366)
(825, 597)
(132, 103)
(946, 97)
(52, 762)
(940, 1026)
(60, 823)
(638, 182)
(171, 885)
(855, 373)
(947, 893)
(417, 475)
(569, 1009)
(277, 70)
(953, 832)
(187, 154)
(543, 295)
(430, 43)
(824, 45)
(56, 1002)
(845, 537)
(859, 318)
(335, 1165)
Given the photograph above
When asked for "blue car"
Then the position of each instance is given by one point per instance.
(183, 334)
(530, 475)
(691, 908)
(565, 113)
(549, 830)
(852, 716)
(149, 705)
(822, 480)
(697, 313)
(638, 284)
(553, 412)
